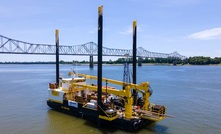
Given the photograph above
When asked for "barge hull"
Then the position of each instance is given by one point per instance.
(120, 123)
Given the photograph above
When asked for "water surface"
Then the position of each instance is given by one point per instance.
(191, 93)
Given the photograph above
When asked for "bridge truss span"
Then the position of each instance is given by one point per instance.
(12, 46)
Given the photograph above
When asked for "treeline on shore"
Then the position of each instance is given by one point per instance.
(197, 60)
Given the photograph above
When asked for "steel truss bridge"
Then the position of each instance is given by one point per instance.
(12, 46)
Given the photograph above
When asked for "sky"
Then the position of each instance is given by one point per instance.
(190, 27)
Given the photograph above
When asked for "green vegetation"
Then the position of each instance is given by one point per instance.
(197, 60)
(200, 60)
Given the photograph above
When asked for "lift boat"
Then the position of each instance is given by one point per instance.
(121, 108)
(75, 96)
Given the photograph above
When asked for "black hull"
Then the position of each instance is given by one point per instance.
(120, 123)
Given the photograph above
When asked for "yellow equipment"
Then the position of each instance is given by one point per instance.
(126, 95)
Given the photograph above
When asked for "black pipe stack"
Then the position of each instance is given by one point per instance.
(57, 56)
(100, 46)
(134, 59)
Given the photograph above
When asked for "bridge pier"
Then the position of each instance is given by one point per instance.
(140, 61)
(91, 62)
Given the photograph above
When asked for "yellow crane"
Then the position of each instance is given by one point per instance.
(126, 95)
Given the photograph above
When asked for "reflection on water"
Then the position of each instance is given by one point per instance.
(191, 93)
(57, 122)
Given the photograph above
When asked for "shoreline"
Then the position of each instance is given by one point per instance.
(87, 64)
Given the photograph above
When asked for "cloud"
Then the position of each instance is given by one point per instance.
(175, 3)
(24, 9)
(129, 30)
(214, 33)
(93, 31)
